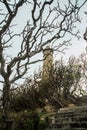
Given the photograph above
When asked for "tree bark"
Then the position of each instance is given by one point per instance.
(8, 122)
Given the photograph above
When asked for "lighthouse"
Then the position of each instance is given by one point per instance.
(47, 63)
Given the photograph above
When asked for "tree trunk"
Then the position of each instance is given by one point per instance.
(8, 122)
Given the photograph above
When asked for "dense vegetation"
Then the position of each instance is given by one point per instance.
(59, 90)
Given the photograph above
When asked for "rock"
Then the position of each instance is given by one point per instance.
(39, 110)
(71, 105)
(49, 108)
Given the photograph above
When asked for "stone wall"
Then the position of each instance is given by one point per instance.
(69, 119)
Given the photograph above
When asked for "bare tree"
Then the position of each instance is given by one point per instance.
(60, 88)
(82, 86)
(46, 24)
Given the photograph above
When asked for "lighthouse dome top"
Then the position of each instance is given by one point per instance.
(47, 49)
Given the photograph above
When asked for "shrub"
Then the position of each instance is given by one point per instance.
(26, 120)
(42, 124)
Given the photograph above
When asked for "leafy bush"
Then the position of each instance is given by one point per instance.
(26, 120)
(43, 124)
(22, 120)
(27, 97)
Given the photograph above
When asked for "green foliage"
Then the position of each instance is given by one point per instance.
(26, 97)
(43, 124)
(26, 120)
(23, 120)
(59, 89)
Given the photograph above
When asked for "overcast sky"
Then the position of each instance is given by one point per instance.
(77, 47)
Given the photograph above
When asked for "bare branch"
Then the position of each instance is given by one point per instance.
(85, 34)
(11, 15)
(7, 6)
